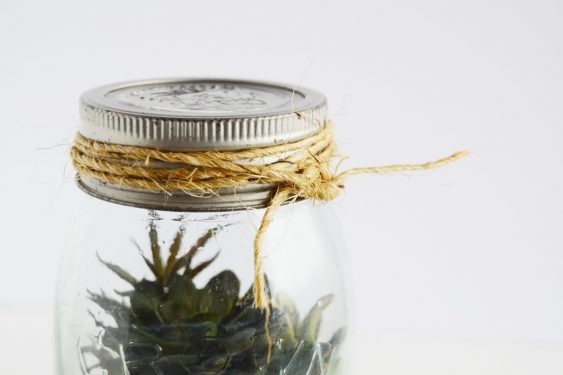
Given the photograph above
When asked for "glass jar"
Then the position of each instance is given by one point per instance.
(154, 282)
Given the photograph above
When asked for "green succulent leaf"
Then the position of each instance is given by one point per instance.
(117, 310)
(119, 271)
(309, 331)
(220, 294)
(290, 317)
(192, 273)
(145, 302)
(338, 337)
(181, 301)
(155, 250)
(175, 264)
(145, 259)
(173, 254)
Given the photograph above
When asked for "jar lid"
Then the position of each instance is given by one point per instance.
(200, 114)
(196, 115)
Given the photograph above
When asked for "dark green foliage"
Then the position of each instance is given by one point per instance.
(169, 326)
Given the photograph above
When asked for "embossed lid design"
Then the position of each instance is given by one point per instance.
(200, 114)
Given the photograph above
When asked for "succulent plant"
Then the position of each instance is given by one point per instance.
(166, 325)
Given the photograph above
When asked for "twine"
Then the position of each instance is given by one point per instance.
(301, 169)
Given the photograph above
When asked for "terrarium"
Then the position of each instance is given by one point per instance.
(197, 248)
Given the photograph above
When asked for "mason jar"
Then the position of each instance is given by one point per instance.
(163, 282)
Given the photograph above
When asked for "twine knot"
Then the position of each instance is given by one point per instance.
(323, 189)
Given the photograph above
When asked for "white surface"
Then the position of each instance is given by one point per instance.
(390, 355)
(457, 271)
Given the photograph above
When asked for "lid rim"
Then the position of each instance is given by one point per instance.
(179, 114)
(95, 97)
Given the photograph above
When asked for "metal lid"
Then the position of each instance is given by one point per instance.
(200, 114)
(192, 115)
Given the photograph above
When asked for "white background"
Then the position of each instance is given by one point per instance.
(457, 271)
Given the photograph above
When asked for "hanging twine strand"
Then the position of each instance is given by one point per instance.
(300, 169)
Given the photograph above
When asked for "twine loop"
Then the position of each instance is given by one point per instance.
(300, 169)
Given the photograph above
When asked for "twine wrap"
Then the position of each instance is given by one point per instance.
(299, 169)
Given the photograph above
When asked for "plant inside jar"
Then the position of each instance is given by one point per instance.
(166, 325)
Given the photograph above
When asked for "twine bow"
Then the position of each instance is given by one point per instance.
(299, 169)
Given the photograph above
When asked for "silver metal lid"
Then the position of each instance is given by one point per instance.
(193, 115)
(200, 114)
